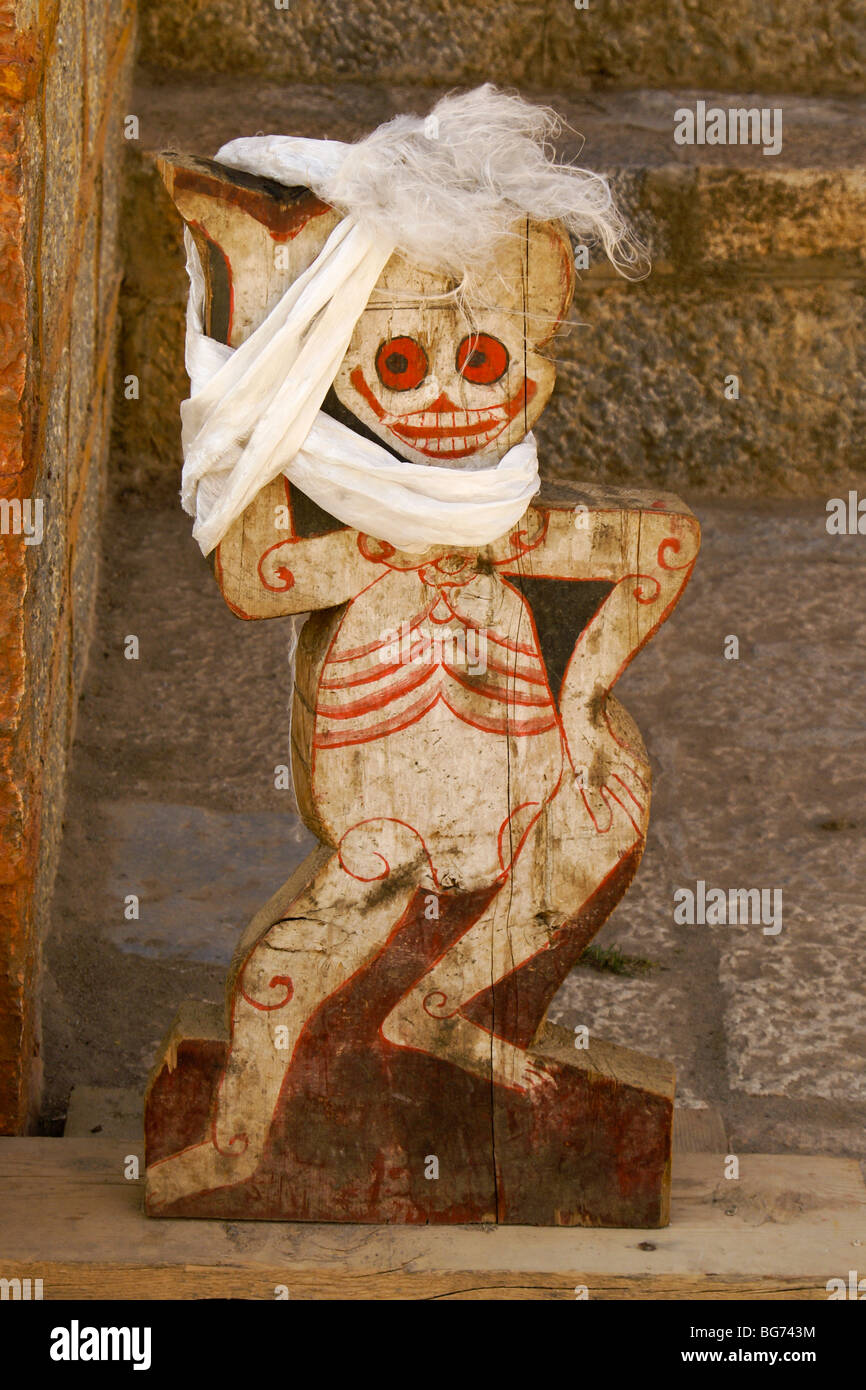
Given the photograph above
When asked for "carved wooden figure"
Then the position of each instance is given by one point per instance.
(480, 797)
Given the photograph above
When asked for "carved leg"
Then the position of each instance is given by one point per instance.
(338, 922)
(554, 873)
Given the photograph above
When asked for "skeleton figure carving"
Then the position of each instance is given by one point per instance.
(455, 745)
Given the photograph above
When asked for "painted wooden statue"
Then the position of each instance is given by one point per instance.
(369, 347)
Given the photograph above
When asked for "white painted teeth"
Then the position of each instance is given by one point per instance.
(458, 419)
(454, 444)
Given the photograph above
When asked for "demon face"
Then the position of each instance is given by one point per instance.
(455, 385)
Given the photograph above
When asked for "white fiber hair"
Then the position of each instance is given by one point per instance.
(447, 187)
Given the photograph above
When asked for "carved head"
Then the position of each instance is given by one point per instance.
(456, 383)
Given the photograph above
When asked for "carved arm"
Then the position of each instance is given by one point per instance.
(266, 570)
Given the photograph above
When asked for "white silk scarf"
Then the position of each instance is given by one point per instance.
(254, 411)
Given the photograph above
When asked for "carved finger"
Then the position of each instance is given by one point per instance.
(633, 786)
(600, 811)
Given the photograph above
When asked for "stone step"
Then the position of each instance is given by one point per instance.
(758, 275)
(111, 1112)
(798, 46)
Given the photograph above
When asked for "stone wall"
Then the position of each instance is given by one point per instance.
(755, 45)
(758, 273)
(64, 67)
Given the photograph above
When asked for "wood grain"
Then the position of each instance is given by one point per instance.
(480, 797)
(781, 1231)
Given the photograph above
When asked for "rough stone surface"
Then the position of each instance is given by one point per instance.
(84, 333)
(63, 135)
(758, 272)
(791, 47)
(756, 785)
(62, 65)
(152, 317)
(164, 854)
(18, 1031)
(610, 129)
(642, 379)
(84, 567)
(47, 562)
(111, 1112)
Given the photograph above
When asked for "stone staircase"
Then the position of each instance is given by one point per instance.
(758, 275)
(815, 46)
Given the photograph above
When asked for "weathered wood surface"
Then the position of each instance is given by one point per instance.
(354, 1133)
(480, 798)
(786, 1226)
(237, 222)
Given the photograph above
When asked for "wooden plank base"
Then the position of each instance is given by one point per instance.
(780, 1231)
(356, 1132)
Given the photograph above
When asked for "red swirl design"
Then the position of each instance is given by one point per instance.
(272, 984)
(639, 593)
(365, 878)
(231, 1151)
(671, 543)
(375, 550)
(522, 540)
(280, 572)
(431, 998)
(405, 850)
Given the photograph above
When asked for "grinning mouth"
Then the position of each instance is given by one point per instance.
(449, 431)
(444, 429)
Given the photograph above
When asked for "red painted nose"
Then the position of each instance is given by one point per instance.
(443, 403)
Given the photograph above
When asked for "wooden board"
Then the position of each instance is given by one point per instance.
(480, 798)
(786, 1226)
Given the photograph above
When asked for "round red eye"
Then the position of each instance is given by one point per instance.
(482, 359)
(401, 364)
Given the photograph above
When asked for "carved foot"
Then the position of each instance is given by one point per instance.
(456, 1040)
(194, 1170)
